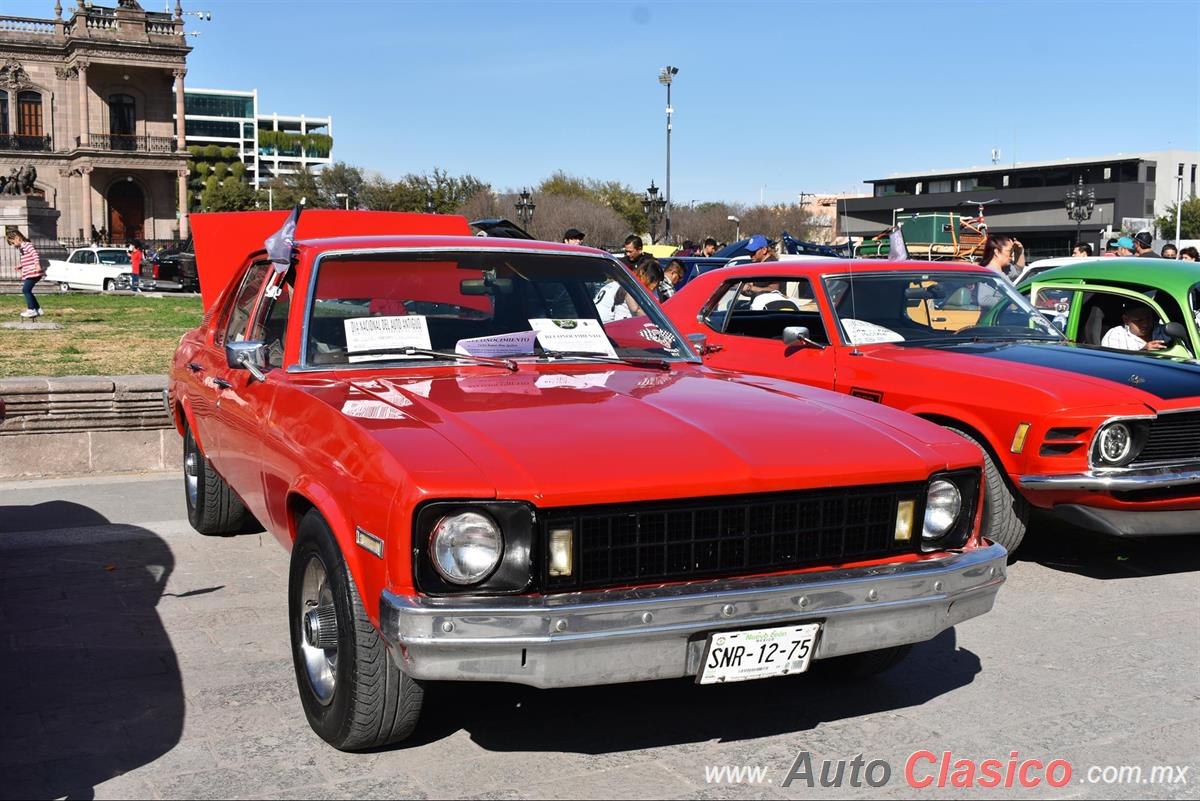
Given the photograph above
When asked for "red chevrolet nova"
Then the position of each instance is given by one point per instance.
(480, 481)
(1108, 441)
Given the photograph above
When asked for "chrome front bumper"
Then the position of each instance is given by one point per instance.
(1117, 480)
(608, 637)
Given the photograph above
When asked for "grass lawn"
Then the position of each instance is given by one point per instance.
(101, 334)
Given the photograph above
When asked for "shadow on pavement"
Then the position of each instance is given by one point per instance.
(1059, 546)
(91, 683)
(626, 717)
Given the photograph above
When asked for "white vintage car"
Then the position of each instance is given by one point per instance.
(93, 267)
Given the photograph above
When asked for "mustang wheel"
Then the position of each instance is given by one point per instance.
(1005, 513)
(212, 507)
(353, 694)
(108, 285)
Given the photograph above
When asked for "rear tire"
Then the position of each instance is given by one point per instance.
(212, 506)
(63, 286)
(108, 285)
(353, 694)
(1005, 513)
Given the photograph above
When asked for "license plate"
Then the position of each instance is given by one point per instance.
(758, 653)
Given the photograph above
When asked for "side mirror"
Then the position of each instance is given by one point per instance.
(1176, 331)
(250, 356)
(799, 335)
(699, 343)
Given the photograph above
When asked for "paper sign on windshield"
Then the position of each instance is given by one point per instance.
(519, 343)
(380, 333)
(860, 332)
(573, 336)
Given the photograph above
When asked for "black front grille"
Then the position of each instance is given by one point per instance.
(1174, 437)
(712, 537)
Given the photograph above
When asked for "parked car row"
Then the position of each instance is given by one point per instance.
(101, 268)
(478, 480)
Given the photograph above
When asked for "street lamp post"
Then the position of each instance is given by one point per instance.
(665, 76)
(525, 207)
(653, 206)
(344, 197)
(1178, 210)
(737, 237)
(430, 206)
(894, 213)
(1079, 205)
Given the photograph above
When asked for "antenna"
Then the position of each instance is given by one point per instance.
(995, 155)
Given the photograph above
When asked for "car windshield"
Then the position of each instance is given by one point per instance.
(113, 256)
(385, 307)
(933, 307)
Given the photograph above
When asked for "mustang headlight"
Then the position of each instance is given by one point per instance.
(466, 547)
(1117, 444)
(943, 504)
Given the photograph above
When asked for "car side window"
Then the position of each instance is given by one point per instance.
(717, 312)
(76, 257)
(89, 257)
(270, 324)
(243, 304)
(763, 307)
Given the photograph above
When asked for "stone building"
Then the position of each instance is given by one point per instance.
(90, 101)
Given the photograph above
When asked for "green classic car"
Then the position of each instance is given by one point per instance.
(1085, 299)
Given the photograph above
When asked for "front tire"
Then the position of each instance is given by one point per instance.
(353, 694)
(1005, 513)
(212, 506)
(63, 286)
(108, 285)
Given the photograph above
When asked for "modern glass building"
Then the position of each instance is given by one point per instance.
(268, 144)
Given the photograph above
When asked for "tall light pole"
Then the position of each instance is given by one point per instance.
(1079, 205)
(525, 207)
(737, 237)
(665, 75)
(1178, 210)
(344, 196)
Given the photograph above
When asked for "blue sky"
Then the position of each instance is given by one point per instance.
(772, 98)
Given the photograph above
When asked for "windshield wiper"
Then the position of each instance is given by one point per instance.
(658, 364)
(507, 364)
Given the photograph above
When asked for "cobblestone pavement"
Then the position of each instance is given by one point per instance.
(140, 659)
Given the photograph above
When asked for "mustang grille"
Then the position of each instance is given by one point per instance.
(1174, 437)
(711, 537)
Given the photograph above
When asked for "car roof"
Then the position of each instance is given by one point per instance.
(434, 242)
(1176, 276)
(816, 266)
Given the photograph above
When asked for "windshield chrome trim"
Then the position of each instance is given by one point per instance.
(687, 354)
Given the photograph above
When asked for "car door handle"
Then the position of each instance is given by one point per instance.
(195, 368)
(221, 383)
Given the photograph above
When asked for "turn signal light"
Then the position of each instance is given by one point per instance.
(904, 520)
(562, 549)
(1018, 443)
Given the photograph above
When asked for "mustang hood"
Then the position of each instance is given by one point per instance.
(1075, 373)
(576, 436)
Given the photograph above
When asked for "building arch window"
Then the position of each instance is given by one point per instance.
(29, 114)
(122, 121)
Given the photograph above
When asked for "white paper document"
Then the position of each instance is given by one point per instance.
(381, 333)
(518, 343)
(577, 336)
(861, 332)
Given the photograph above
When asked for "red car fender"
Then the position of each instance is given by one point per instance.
(366, 570)
(959, 417)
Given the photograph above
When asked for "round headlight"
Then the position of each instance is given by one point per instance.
(1116, 440)
(943, 502)
(466, 547)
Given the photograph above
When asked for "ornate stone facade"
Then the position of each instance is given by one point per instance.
(90, 101)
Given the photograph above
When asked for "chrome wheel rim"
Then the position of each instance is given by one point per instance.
(320, 664)
(191, 475)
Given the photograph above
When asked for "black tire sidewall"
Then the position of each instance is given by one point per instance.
(331, 722)
(1002, 525)
(195, 510)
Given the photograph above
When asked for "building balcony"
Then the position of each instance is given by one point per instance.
(37, 144)
(129, 143)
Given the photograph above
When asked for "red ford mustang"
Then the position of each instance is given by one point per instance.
(1108, 441)
(478, 480)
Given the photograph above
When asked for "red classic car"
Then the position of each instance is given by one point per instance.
(480, 481)
(1108, 441)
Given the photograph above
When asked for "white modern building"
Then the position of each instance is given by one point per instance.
(268, 144)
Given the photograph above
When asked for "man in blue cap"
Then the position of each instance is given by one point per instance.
(1125, 246)
(760, 249)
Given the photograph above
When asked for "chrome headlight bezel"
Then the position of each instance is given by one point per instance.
(955, 535)
(1118, 443)
(466, 547)
(943, 505)
(509, 573)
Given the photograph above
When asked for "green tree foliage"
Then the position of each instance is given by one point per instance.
(566, 185)
(613, 194)
(1189, 222)
(232, 195)
(340, 178)
(287, 190)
